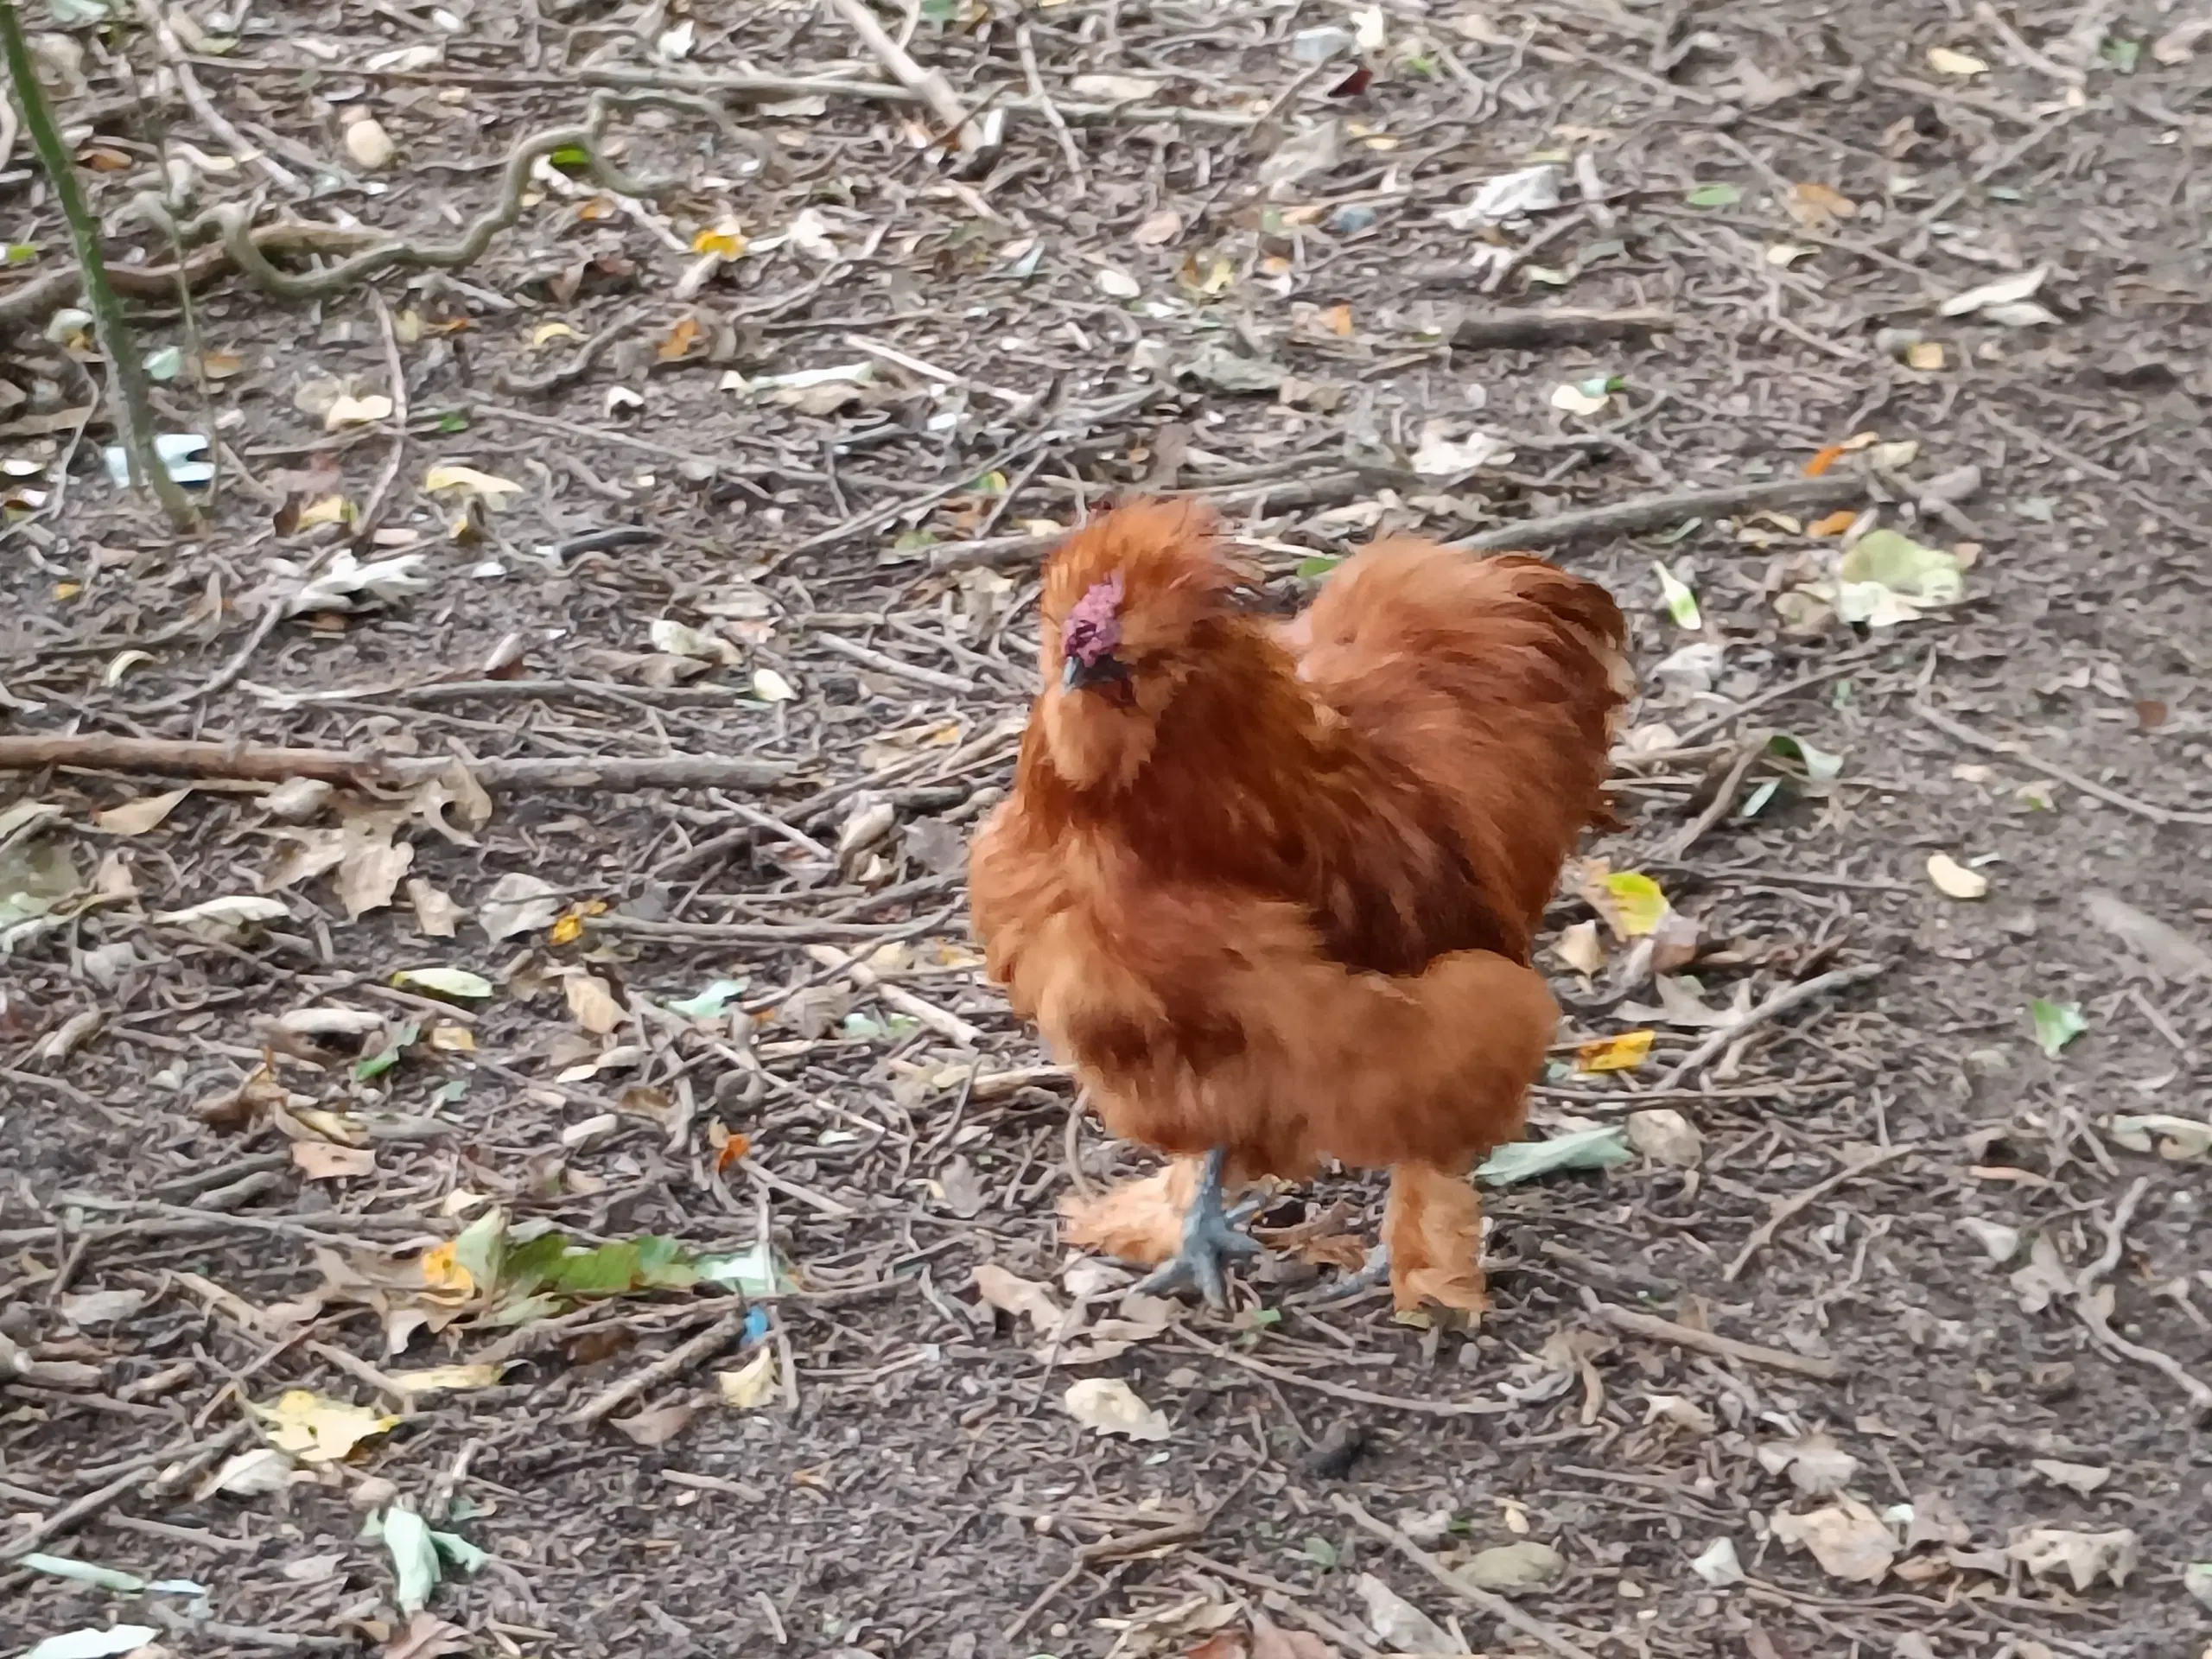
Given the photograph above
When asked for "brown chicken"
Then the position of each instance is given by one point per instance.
(1271, 888)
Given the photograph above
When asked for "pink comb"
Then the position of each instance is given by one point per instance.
(1094, 623)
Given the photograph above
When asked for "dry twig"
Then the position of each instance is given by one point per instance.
(1655, 1328)
(2091, 1306)
(1545, 1636)
(1781, 1003)
(1967, 734)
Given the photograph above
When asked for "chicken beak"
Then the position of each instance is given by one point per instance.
(1102, 670)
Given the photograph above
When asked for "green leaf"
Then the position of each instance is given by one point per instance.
(2122, 55)
(662, 1264)
(1715, 195)
(375, 1065)
(445, 982)
(1887, 578)
(1682, 603)
(570, 158)
(414, 1557)
(1821, 767)
(22, 253)
(1599, 1148)
(2056, 1024)
(458, 1550)
(711, 1003)
(1320, 1551)
(452, 421)
(1755, 803)
(1314, 569)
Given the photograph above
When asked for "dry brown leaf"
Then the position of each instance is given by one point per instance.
(427, 1636)
(593, 1004)
(1271, 1640)
(1139, 1221)
(1579, 948)
(1813, 205)
(136, 817)
(660, 1425)
(1010, 1292)
(1847, 1538)
(435, 913)
(1433, 1225)
(1325, 1241)
(370, 866)
(321, 1162)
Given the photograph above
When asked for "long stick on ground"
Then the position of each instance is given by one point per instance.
(1649, 512)
(264, 763)
(2091, 1306)
(1655, 1328)
(1967, 734)
(127, 374)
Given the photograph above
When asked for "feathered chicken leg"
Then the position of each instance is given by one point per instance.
(1432, 1246)
(1210, 1240)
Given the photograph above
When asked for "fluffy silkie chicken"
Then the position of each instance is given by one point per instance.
(1271, 888)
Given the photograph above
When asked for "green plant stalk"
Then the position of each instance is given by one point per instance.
(137, 411)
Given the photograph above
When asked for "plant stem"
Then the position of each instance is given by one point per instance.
(135, 417)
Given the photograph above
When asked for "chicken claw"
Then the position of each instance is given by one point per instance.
(1211, 1242)
(1353, 1286)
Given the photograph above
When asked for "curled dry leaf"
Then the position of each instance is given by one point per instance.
(321, 1162)
(436, 916)
(2084, 1557)
(1666, 1136)
(1107, 1405)
(1954, 880)
(1399, 1626)
(136, 817)
(594, 1005)
(518, 903)
(752, 1384)
(1847, 1538)
(1011, 1293)
(1816, 1465)
(1579, 948)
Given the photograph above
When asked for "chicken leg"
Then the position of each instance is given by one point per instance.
(1210, 1240)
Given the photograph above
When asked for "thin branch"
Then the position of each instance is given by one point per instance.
(936, 91)
(135, 399)
(175, 758)
(1050, 110)
(1789, 997)
(1797, 1203)
(1967, 734)
(2091, 1309)
(1652, 1328)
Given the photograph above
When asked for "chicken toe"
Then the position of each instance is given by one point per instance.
(1210, 1240)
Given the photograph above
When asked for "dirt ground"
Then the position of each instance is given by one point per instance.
(1938, 1296)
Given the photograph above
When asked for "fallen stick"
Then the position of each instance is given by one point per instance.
(1723, 798)
(1967, 734)
(676, 1360)
(266, 764)
(1497, 330)
(1345, 1392)
(1652, 1327)
(1650, 513)
(941, 1020)
(1482, 1601)
(1781, 1003)
(2094, 1315)
(1798, 1203)
(937, 92)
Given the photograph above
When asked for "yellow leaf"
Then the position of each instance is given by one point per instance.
(315, 1428)
(67, 590)
(568, 929)
(594, 208)
(1926, 355)
(443, 1274)
(1944, 61)
(448, 475)
(680, 338)
(1638, 905)
(439, 1379)
(330, 509)
(453, 1039)
(1621, 1053)
(752, 1383)
(546, 331)
(725, 239)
